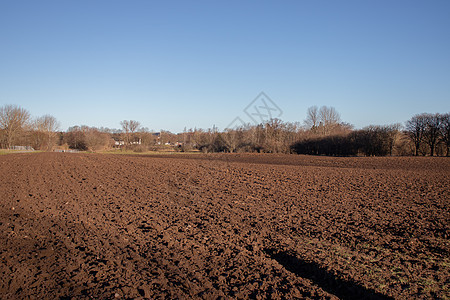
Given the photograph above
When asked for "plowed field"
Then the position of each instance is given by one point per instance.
(223, 226)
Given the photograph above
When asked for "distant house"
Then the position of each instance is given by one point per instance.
(136, 142)
(22, 148)
(120, 143)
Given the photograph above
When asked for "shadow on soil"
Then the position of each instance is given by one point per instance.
(324, 279)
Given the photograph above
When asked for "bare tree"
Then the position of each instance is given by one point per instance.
(125, 126)
(133, 125)
(13, 119)
(129, 127)
(415, 127)
(312, 118)
(432, 130)
(392, 135)
(75, 137)
(445, 131)
(126, 131)
(47, 125)
(329, 118)
(275, 136)
(232, 139)
(97, 140)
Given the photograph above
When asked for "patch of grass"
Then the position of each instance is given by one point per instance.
(7, 151)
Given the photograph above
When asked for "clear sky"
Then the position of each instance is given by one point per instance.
(175, 64)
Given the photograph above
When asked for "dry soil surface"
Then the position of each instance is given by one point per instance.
(223, 226)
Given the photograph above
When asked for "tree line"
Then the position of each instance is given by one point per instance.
(18, 128)
(424, 134)
(321, 133)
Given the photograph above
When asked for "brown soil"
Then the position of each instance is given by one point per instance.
(223, 226)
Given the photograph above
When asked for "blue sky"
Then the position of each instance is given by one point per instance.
(175, 64)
